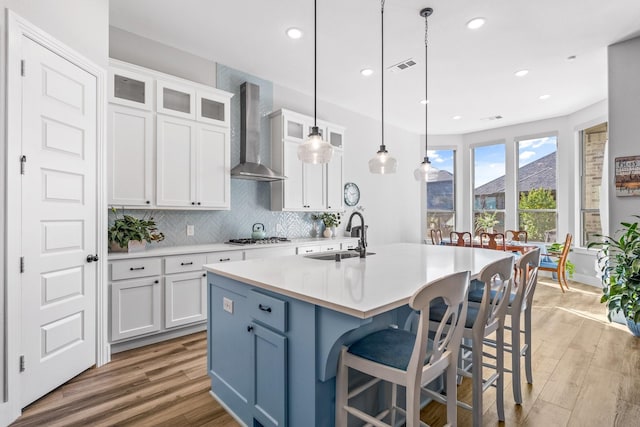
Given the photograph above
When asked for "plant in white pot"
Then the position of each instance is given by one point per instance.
(330, 220)
(130, 234)
(619, 263)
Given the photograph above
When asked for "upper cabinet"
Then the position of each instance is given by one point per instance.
(169, 141)
(308, 187)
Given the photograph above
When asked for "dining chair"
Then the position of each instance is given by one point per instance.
(460, 238)
(436, 236)
(517, 236)
(483, 319)
(493, 241)
(559, 265)
(520, 303)
(408, 359)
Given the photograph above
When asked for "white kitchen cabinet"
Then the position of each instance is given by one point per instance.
(334, 182)
(212, 108)
(130, 157)
(305, 250)
(192, 164)
(176, 99)
(309, 187)
(226, 256)
(269, 252)
(135, 307)
(185, 298)
(130, 88)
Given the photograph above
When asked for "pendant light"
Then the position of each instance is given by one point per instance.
(315, 150)
(422, 172)
(382, 163)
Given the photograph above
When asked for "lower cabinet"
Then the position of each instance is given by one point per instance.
(135, 307)
(185, 298)
(248, 353)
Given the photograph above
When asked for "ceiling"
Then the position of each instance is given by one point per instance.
(471, 72)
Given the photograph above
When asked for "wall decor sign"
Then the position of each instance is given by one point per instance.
(627, 171)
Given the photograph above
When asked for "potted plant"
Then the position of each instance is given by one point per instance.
(486, 221)
(619, 265)
(130, 234)
(330, 221)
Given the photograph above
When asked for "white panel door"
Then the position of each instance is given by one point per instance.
(58, 221)
(335, 192)
(176, 157)
(130, 171)
(212, 167)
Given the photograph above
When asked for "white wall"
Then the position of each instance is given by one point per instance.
(624, 122)
(82, 25)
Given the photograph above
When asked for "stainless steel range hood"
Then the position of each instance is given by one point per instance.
(250, 166)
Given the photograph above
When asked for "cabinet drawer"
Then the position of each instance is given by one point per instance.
(331, 247)
(303, 250)
(268, 310)
(226, 256)
(131, 269)
(183, 263)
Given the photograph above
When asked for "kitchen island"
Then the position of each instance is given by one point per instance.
(275, 326)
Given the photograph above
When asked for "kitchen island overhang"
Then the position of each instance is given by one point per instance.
(276, 325)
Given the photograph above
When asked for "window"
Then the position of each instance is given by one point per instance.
(489, 188)
(592, 143)
(441, 191)
(537, 212)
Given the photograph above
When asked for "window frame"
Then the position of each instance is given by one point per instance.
(472, 178)
(454, 151)
(581, 149)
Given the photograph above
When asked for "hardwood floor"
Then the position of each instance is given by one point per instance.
(586, 372)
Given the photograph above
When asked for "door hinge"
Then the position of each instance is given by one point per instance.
(22, 67)
(23, 160)
(21, 264)
(22, 365)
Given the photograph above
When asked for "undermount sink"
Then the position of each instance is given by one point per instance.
(332, 256)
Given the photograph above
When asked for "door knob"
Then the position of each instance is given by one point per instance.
(91, 258)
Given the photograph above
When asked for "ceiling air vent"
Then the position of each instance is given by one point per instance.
(403, 65)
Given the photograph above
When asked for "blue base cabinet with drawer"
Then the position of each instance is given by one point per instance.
(272, 359)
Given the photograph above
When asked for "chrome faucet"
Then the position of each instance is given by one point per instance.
(362, 243)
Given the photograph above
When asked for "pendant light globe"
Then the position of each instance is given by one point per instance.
(315, 150)
(382, 163)
(422, 171)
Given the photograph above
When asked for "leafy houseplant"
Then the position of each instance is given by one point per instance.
(126, 229)
(329, 219)
(619, 263)
(486, 221)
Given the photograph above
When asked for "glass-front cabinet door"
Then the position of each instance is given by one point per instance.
(335, 136)
(175, 99)
(130, 88)
(212, 108)
(295, 126)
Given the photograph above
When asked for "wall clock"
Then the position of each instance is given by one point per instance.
(351, 194)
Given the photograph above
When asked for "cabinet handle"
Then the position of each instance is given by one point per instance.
(264, 308)
(193, 203)
(309, 251)
(199, 203)
(330, 249)
(156, 281)
(136, 268)
(224, 259)
(249, 328)
(148, 202)
(204, 274)
(186, 263)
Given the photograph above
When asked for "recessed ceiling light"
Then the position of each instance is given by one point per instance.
(476, 23)
(521, 73)
(366, 72)
(545, 96)
(424, 102)
(294, 33)
(456, 117)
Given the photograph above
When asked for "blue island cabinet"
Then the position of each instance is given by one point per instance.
(272, 359)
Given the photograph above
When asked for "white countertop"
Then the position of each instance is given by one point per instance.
(218, 247)
(356, 286)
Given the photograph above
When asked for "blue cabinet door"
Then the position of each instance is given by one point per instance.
(269, 377)
(230, 347)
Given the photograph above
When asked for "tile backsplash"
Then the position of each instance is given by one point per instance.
(250, 200)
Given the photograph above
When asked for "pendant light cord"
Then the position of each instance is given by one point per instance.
(315, 62)
(426, 96)
(382, 66)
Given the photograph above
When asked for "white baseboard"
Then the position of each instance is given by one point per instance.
(152, 339)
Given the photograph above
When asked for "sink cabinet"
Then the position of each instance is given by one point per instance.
(309, 187)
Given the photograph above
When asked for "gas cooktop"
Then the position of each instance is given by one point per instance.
(265, 241)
